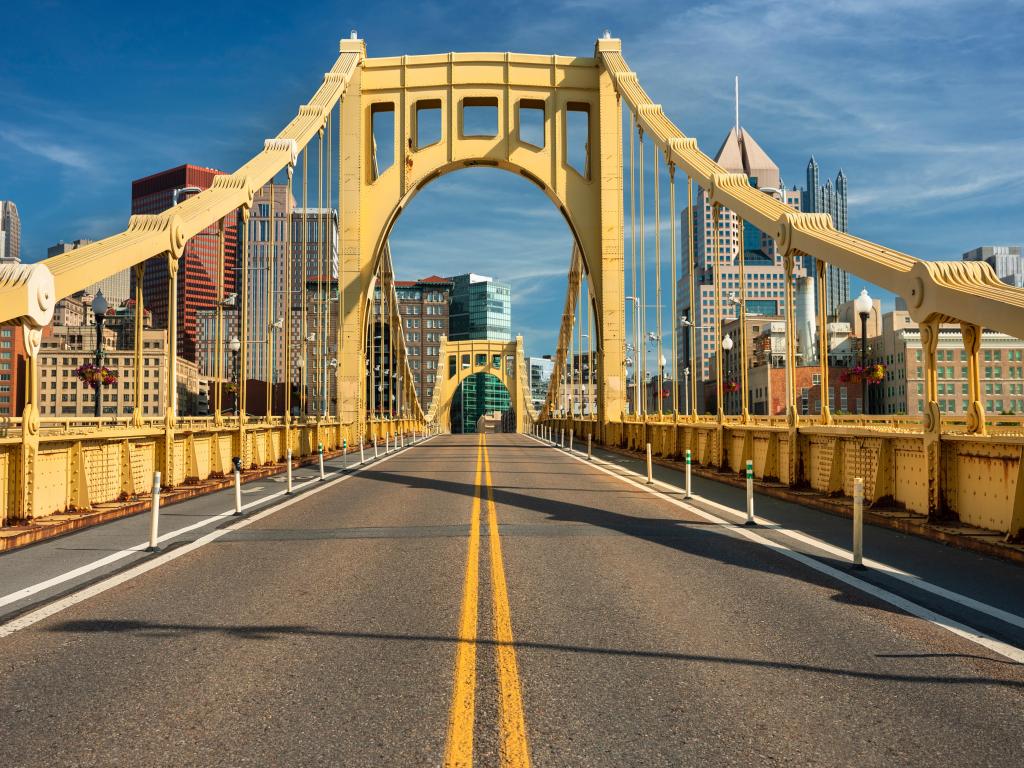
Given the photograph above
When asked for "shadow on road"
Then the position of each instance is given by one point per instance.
(273, 631)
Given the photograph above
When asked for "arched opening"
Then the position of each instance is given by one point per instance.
(492, 224)
(481, 403)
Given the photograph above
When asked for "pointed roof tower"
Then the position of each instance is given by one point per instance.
(739, 153)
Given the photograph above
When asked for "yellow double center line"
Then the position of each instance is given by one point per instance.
(513, 747)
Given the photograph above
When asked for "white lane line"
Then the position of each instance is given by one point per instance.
(997, 646)
(21, 594)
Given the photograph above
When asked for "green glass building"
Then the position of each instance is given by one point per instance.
(480, 308)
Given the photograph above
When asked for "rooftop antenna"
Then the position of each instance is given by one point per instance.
(737, 105)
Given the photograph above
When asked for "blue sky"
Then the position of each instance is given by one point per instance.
(921, 102)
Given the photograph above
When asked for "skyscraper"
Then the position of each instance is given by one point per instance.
(765, 273)
(10, 233)
(830, 199)
(198, 266)
(481, 308)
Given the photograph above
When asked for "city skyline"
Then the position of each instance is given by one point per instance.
(914, 191)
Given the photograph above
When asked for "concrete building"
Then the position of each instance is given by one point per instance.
(1006, 260)
(13, 359)
(481, 308)
(765, 273)
(10, 233)
(832, 199)
(199, 264)
(423, 306)
(65, 348)
(541, 369)
(898, 347)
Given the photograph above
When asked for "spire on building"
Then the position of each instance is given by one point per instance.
(739, 153)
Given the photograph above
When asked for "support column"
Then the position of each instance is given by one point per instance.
(25, 495)
(931, 417)
(353, 264)
(792, 418)
(609, 284)
(171, 399)
(140, 274)
(218, 365)
(243, 335)
(820, 273)
(972, 345)
(716, 256)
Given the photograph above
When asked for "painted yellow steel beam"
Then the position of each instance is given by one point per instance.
(167, 232)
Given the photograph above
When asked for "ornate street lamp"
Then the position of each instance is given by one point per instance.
(99, 310)
(727, 347)
(235, 346)
(862, 306)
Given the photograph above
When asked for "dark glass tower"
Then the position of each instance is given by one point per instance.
(831, 199)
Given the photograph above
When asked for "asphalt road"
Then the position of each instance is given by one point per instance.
(598, 625)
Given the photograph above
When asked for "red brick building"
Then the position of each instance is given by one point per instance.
(12, 371)
(197, 270)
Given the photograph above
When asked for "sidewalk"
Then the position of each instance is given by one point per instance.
(31, 575)
(952, 533)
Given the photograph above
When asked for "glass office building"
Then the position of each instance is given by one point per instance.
(481, 308)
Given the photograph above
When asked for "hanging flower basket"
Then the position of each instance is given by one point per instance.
(93, 374)
(874, 374)
(731, 386)
(229, 387)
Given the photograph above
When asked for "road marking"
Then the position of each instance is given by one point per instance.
(957, 628)
(514, 750)
(459, 748)
(37, 615)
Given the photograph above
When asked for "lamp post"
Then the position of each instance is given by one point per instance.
(661, 382)
(687, 323)
(235, 346)
(686, 385)
(862, 305)
(99, 310)
(727, 347)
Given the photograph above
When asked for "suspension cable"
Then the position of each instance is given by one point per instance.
(674, 291)
(660, 367)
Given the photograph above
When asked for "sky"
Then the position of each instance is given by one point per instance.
(921, 102)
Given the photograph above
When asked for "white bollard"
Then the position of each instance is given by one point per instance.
(375, 447)
(571, 431)
(154, 515)
(387, 442)
(750, 493)
(688, 494)
(858, 524)
(590, 453)
(289, 469)
(362, 456)
(237, 462)
(344, 454)
(320, 459)
(650, 468)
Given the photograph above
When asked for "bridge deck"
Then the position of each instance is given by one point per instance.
(328, 631)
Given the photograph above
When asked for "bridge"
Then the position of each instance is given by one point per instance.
(558, 595)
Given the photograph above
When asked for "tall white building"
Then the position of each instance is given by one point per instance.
(765, 274)
(10, 233)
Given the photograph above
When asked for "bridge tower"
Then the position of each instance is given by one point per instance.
(409, 91)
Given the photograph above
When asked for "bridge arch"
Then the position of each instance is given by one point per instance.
(555, 90)
(459, 360)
